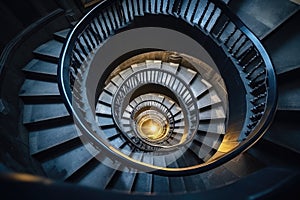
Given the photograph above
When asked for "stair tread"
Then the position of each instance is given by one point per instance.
(103, 109)
(193, 182)
(44, 112)
(92, 178)
(38, 88)
(290, 137)
(143, 183)
(49, 51)
(218, 177)
(264, 151)
(208, 99)
(210, 139)
(160, 184)
(259, 19)
(43, 140)
(177, 185)
(110, 132)
(289, 94)
(122, 180)
(199, 11)
(170, 67)
(105, 121)
(212, 127)
(106, 98)
(186, 74)
(117, 142)
(226, 1)
(284, 44)
(41, 67)
(216, 112)
(152, 64)
(243, 165)
(285, 70)
(198, 87)
(62, 34)
(202, 151)
(292, 145)
(140, 8)
(211, 16)
(64, 165)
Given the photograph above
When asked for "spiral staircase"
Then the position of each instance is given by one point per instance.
(111, 105)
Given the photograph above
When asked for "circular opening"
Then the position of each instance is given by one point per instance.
(152, 127)
(191, 105)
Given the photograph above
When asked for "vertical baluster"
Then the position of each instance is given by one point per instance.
(244, 40)
(233, 45)
(160, 6)
(254, 69)
(203, 13)
(255, 79)
(222, 29)
(130, 10)
(86, 41)
(230, 35)
(187, 9)
(77, 55)
(138, 6)
(258, 108)
(252, 125)
(257, 98)
(256, 90)
(72, 77)
(215, 21)
(141, 4)
(112, 19)
(133, 4)
(115, 16)
(79, 75)
(76, 90)
(73, 68)
(176, 7)
(167, 4)
(74, 60)
(125, 11)
(247, 132)
(250, 61)
(256, 117)
(154, 7)
(96, 32)
(195, 11)
(244, 55)
(120, 13)
(81, 46)
(210, 17)
(147, 6)
(102, 25)
(107, 22)
(92, 38)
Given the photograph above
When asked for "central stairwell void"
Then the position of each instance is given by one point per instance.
(152, 97)
(202, 122)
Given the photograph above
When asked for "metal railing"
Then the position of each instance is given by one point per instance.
(217, 22)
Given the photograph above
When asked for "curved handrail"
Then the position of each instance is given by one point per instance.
(265, 88)
(272, 83)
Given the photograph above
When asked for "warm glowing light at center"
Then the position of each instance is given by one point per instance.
(151, 129)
